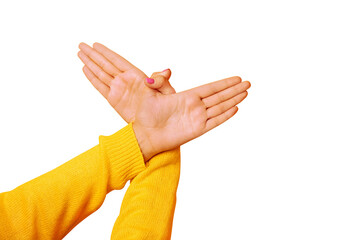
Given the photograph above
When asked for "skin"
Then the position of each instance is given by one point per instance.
(162, 119)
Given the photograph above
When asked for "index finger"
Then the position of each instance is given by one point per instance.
(99, 59)
(118, 61)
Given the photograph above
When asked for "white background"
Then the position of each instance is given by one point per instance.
(285, 167)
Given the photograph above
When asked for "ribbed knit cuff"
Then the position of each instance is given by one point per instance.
(124, 155)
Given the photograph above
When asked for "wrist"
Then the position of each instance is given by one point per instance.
(143, 139)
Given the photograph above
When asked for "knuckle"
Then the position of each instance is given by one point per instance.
(235, 101)
(159, 80)
(155, 74)
(102, 63)
(101, 75)
(217, 121)
(221, 97)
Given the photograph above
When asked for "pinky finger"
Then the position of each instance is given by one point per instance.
(99, 85)
(220, 119)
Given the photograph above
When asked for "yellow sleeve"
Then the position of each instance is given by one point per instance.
(49, 206)
(148, 206)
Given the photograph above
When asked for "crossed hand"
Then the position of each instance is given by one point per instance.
(162, 119)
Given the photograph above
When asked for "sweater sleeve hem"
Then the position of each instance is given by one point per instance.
(124, 155)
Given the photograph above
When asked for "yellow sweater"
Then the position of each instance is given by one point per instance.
(49, 206)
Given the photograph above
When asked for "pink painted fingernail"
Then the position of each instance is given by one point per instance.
(165, 70)
(150, 80)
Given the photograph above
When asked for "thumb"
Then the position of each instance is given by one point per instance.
(160, 81)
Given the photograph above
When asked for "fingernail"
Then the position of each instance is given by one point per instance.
(150, 80)
(165, 70)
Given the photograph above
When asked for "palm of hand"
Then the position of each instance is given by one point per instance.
(125, 93)
(175, 118)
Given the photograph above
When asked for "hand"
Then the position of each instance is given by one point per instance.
(164, 122)
(106, 70)
(161, 122)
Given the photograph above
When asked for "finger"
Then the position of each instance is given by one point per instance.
(224, 106)
(100, 74)
(118, 61)
(214, 87)
(226, 94)
(167, 73)
(218, 120)
(99, 85)
(99, 59)
(160, 82)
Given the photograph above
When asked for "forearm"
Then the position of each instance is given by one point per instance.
(148, 207)
(49, 206)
